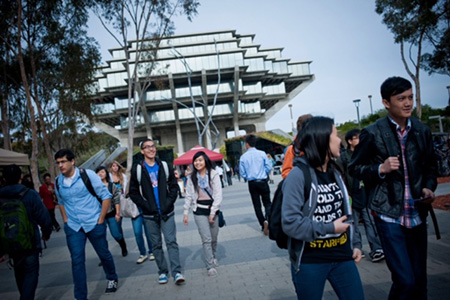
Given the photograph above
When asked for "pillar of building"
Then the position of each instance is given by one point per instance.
(206, 136)
(236, 101)
(180, 145)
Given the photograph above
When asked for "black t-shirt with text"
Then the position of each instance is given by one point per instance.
(331, 247)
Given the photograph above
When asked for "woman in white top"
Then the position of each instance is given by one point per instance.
(204, 195)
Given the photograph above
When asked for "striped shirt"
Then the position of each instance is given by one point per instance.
(410, 216)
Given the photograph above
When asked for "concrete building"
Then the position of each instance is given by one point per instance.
(252, 85)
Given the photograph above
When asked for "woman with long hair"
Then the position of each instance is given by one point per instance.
(119, 178)
(113, 218)
(321, 243)
(204, 196)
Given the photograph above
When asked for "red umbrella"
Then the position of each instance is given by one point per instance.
(186, 158)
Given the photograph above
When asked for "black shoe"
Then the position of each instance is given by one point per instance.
(100, 264)
(111, 287)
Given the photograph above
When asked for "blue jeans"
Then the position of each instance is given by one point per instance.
(138, 224)
(76, 241)
(26, 271)
(405, 251)
(369, 226)
(344, 277)
(156, 227)
(115, 228)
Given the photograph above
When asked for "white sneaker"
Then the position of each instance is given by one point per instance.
(212, 272)
(151, 257)
(215, 262)
(141, 259)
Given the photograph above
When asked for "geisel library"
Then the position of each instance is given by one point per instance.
(265, 83)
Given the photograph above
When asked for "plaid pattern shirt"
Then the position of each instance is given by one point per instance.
(410, 216)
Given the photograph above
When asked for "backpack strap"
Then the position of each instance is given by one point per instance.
(166, 169)
(308, 180)
(88, 184)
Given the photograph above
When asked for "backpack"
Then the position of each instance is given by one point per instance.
(16, 230)
(275, 229)
(87, 182)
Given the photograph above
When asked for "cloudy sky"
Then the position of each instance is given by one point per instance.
(351, 51)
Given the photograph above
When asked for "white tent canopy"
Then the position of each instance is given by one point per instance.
(10, 157)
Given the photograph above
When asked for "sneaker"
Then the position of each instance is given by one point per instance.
(212, 272)
(163, 278)
(215, 262)
(266, 228)
(151, 257)
(362, 254)
(179, 279)
(377, 255)
(111, 287)
(141, 259)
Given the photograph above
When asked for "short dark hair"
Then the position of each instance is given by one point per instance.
(314, 140)
(65, 152)
(351, 134)
(250, 140)
(141, 143)
(46, 175)
(393, 86)
(12, 174)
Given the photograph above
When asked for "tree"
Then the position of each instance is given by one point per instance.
(147, 22)
(416, 25)
(43, 37)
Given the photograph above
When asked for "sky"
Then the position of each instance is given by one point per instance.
(351, 50)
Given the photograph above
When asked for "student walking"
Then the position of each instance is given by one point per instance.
(204, 196)
(84, 219)
(321, 243)
(157, 198)
(395, 158)
(25, 250)
(48, 196)
(113, 218)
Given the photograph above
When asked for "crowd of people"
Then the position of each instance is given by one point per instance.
(385, 178)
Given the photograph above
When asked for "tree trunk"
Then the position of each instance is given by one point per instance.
(5, 123)
(34, 141)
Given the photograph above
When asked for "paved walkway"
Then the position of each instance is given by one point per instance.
(251, 265)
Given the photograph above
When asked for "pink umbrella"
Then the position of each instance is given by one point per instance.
(187, 157)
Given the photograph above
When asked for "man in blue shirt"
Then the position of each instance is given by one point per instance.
(255, 167)
(84, 218)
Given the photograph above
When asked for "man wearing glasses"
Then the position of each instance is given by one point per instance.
(84, 218)
(155, 192)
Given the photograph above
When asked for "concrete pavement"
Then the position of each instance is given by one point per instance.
(251, 265)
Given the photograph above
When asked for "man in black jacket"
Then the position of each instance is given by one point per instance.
(395, 158)
(26, 262)
(155, 192)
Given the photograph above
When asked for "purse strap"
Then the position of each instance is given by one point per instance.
(208, 194)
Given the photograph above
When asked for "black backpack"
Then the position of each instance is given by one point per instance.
(275, 230)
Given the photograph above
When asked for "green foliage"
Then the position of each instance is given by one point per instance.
(223, 151)
(279, 139)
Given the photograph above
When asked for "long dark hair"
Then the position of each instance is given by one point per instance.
(314, 140)
(99, 168)
(208, 165)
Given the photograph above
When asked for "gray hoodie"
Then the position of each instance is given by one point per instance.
(296, 215)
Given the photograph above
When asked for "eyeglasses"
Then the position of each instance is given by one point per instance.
(149, 147)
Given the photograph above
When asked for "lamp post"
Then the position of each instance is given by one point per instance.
(357, 102)
(292, 121)
(370, 101)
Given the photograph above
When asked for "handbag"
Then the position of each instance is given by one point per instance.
(128, 208)
(222, 221)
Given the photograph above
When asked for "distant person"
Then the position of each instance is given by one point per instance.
(24, 252)
(272, 161)
(204, 196)
(48, 196)
(321, 244)
(119, 177)
(219, 171)
(27, 181)
(229, 172)
(293, 151)
(255, 167)
(157, 200)
(236, 171)
(395, 158)
(84, 219)
(112, 217)
(357, 193)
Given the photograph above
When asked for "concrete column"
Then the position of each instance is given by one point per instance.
(236, 101)
(180, 145)
(206, 138)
